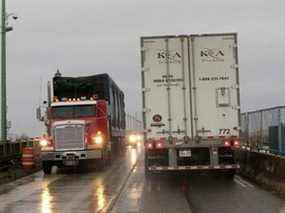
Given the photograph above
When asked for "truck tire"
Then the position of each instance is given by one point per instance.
(109, 158)
(47, 168)
(101, 164)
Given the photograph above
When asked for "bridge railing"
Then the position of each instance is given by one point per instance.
(264, 130)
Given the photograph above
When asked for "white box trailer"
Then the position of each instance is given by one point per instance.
(191, 103)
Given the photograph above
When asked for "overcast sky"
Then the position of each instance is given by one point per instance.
(96, 36)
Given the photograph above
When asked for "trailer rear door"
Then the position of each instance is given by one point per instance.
(214, 70)
(166, 87)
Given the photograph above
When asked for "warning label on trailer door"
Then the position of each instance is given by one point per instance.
(163, 81)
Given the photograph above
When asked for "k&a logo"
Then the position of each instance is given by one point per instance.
(172, 57)
(212, 55)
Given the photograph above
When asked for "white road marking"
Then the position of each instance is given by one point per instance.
(244, 181)
(239, 183)
(282, 210)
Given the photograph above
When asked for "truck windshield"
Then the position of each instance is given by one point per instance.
(73, 111)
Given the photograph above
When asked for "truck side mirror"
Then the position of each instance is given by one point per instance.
(39, 114)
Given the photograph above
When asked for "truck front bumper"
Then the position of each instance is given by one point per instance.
(79, 155)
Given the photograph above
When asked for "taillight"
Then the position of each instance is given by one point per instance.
(236, 143)
(159, 145)
(149, 145)
(227, 143)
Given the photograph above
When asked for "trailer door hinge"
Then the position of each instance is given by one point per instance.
(234, 66)
(145, 89)
(144, 69)
(146, 110)
(236, 86)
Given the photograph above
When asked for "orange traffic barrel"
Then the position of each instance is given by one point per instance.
(28, 158)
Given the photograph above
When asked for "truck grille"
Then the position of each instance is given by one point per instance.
(69, 137)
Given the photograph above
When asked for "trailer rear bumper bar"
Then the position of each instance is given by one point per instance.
(197, 168)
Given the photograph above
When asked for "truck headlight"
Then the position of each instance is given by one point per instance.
(133, 138)
(43, 142)
(98, 139)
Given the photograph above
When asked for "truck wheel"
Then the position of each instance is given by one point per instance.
(101, 164)
(47, 168)
(109, 158)
(84, 165)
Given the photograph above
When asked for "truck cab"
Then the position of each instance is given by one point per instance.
(77, 133)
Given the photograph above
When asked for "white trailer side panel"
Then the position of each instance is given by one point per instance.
(166, 88)
(216, 85)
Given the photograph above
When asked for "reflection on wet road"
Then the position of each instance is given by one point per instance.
(123, 188)
(46, 200)
(80, 192)
(182, 193)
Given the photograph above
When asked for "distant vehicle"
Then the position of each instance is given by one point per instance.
(133, 138)
(85, 120)
(191, 102)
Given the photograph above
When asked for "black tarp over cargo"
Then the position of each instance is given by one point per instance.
(100, 86)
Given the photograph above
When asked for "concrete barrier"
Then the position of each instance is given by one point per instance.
(265, 169)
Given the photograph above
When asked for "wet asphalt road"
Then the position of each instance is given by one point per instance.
(123, 188)
(67, 191)
(175, 193)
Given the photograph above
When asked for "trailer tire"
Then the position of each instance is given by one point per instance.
(147, 172)
(47, 167)
(230, 175)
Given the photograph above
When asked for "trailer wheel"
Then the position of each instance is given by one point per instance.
(147, 172)
(230, 175)
(47, 166)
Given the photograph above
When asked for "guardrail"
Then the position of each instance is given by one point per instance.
(272, 152)
(265, 127)
(263, 167)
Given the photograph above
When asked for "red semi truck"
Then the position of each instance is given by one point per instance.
(85, 120)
